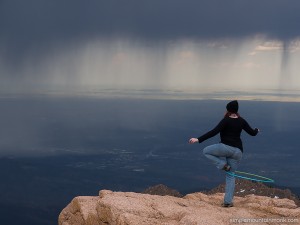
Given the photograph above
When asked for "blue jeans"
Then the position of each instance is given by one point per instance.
(221, 154)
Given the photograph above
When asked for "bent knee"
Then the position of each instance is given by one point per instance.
(205, 150)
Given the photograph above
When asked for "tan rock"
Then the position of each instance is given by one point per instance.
(81, 211)
(128, 208)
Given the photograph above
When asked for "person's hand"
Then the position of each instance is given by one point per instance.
(193, 140)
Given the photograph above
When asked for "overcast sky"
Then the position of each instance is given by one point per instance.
(36, 37)
(33, 21)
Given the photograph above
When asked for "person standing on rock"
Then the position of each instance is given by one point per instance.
(227, 154)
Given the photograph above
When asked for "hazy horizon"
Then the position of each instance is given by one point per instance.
(206, 44)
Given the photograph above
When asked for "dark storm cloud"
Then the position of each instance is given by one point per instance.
(36, 21)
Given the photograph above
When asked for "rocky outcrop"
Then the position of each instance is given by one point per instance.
(124, 208)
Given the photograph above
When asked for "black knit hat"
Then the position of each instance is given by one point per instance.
(233, 106)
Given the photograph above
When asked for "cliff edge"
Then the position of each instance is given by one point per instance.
(129, 208)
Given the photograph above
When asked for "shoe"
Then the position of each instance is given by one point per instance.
(227, 205)
(226, 168)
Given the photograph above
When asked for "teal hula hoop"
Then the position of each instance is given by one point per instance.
(257, 177)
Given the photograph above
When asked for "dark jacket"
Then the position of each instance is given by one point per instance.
(230, 131)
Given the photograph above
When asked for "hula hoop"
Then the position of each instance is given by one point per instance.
(264, 179)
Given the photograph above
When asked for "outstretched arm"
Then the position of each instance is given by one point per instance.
(209, 134)
(249, 130)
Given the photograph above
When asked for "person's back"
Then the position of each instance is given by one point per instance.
(230, 133)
